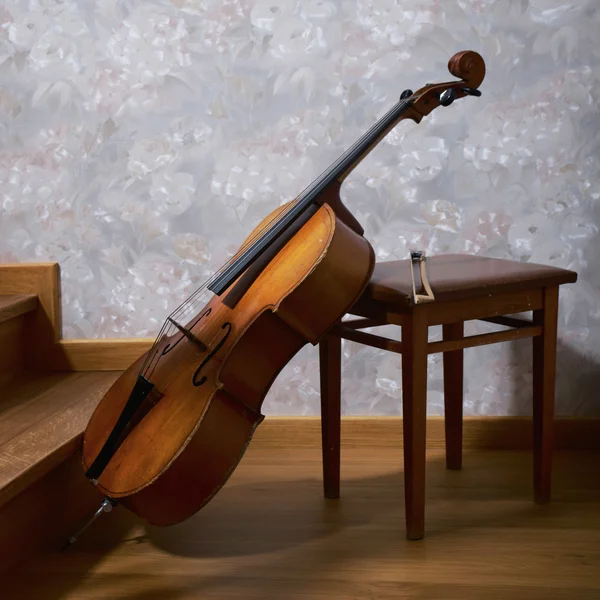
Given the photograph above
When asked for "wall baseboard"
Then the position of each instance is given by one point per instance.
(479, 433)
(498, 433)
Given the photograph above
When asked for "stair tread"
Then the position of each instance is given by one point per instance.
(41, 422)
(13, 305)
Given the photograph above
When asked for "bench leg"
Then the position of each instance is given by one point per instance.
(414, 409)
(453, 396)
(544, 374)
(330, 351)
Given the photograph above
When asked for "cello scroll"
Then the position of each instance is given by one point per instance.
(468, 66)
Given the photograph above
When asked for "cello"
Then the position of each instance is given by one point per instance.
(172, 428)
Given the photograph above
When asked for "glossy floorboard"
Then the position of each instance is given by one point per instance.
(270, 535)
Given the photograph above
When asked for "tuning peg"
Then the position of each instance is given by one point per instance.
(406, 94)
(471, 91)
(447, 97)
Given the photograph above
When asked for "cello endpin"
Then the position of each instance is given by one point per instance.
(107, 505)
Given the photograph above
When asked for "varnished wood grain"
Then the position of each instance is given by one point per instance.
(14, 334)
(13, 344)
(469, 66)
(483, 339)
(487, 306)
(13, 305)
(42, 425)
(120, 353)
(453, 365)
(446, 345)
(113, 354)
(370, 339)
(270, 535)
(39, 279)
(544, 376)
(38, 519)
(43, 281)
(422, 102)
(467, 288)
(330, 356)
(479, 433)
(508, 321)
(414, 411)
(208, 403)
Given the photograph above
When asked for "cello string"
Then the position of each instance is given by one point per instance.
(332, 169)
(346, 159)
(271, 224)
(304, 198)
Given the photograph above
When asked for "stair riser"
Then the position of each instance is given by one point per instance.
(42, 517)
(13, 345)
(43, 281)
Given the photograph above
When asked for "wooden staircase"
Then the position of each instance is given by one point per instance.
(44, 495)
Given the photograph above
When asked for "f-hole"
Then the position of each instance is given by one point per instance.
(198, 382)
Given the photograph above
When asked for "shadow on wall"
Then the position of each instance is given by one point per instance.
(577, 384)
(577, 380)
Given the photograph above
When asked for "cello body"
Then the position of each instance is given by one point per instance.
(168, 434)
(184, 449)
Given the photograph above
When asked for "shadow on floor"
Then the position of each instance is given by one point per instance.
(259, 525)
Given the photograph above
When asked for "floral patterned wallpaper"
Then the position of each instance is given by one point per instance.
(142, 140)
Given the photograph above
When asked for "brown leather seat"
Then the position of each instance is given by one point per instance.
(455, 276)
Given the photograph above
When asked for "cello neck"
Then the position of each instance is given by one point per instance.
(361, 148)
(336, 173)
(346, 163)
(468, 66)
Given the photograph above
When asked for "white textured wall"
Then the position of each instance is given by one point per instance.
(141, 141)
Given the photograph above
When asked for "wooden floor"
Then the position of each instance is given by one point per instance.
(270, 535)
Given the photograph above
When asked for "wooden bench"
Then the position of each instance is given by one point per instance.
(465, 288)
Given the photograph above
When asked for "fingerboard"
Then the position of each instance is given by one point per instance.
(336, 172)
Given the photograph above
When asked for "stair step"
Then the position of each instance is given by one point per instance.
(42, 420)
(15, 329)
(14, 305)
